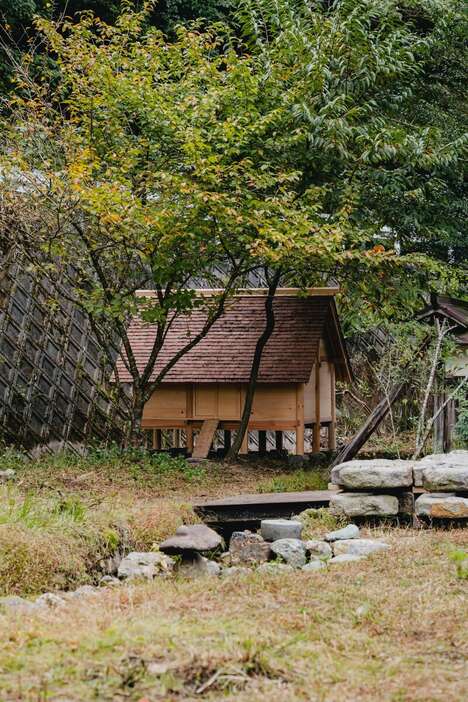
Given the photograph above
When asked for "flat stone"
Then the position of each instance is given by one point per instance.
(274, 568)
(144, 565)
(84, 591)
(313, 566)
(373, 474)
(452, 460)
(8, 474)
(18, 603)
(359, 547)
(351, 531)
(442, 506)
(50, 599)
(196, 537)
(197, 566)
(292, 551)
(248, 548)
(318, 550)
(109, 581)
(344, 558)
(234, 571)
(361, 504)
(445, 478)
(274, 529)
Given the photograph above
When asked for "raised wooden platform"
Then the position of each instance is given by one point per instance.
(242, 509)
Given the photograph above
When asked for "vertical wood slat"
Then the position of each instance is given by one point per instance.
(316, 434)
(300, 419)
(279, 440)
(332, 425)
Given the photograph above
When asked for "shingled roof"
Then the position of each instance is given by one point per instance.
(225, 354)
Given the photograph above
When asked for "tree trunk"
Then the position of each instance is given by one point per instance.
(134, 434)
(261, 343)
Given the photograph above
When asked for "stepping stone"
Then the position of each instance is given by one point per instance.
(361, 504)
(196, 537)
(314, 566)
(248, 548)
(274, 529)
(292, 551)
(442, 506)
(318, 549)
(348, 532)
(374, 474)
(359, 547)
(453, 460)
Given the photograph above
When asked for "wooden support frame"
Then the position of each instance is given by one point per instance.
(332, 425)
(279, 440)
(316, 430)
(300, 419)
(262, 441)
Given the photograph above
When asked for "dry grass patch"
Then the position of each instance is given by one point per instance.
(389, 628)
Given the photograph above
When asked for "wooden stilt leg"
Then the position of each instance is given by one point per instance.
(279, 440)
(316, 436)
(262, 442)
(189, 435)
(157, 439)
(300, 420)
(332, 425)
(227, 439)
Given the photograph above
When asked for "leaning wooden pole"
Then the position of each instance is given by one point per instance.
(377, 415)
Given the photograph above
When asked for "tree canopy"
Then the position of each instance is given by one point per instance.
(288, 146)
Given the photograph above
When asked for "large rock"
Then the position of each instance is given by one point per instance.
(196, 537)
(144, 565)
(8, 474)
(313, 566)
(234, 571)
(13, 602)
(292, 551)
(50, 599)
(453, 460)
(274, 529)
(441, 506)
(197, 566)
(351, 531)
(318, 550)
(361, 504)
(248, 548)
(374, 474)
(358, 547)
(446, 478)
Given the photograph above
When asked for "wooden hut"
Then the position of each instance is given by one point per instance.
(454, 313)
(205, 390)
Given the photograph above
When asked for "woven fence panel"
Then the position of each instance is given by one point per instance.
(53, 381)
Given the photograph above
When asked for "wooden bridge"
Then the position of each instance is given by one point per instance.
(246, 511)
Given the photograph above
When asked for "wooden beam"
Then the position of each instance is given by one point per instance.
(157, 439)
(255, 292)
(300, 419)
(205, 438)
(332, 425)
(316, 430)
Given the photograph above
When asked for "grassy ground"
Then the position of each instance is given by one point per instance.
(391, 628)
(64, 513)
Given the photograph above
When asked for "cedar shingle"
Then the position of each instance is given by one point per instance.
(225, 354)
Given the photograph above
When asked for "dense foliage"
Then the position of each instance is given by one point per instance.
(161, 161)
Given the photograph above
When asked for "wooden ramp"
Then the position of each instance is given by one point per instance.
(205, 438)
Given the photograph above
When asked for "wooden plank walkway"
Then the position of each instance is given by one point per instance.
(254, 507)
